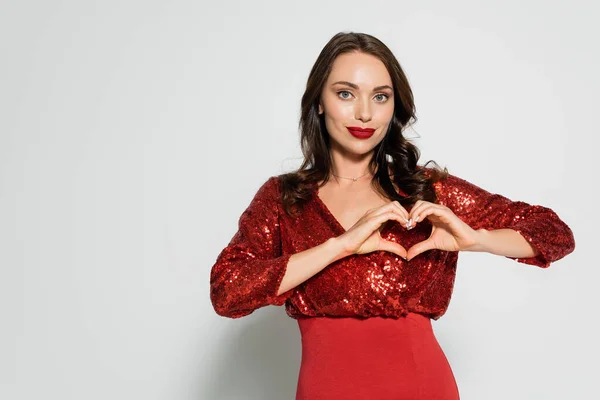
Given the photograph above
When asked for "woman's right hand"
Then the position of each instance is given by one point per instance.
(364, 236)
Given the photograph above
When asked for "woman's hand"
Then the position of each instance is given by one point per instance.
(448, 233)
(364, 236)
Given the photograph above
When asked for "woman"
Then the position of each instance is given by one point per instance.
(361, 243)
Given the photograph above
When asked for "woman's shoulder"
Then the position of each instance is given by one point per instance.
(270, 186)
(267, 190)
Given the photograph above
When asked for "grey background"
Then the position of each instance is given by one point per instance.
(134, 133)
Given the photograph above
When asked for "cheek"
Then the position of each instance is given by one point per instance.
(386, 112)
(340, 112)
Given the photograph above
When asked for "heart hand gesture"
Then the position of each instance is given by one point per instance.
(448, 231)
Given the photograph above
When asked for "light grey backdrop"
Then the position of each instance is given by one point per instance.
(134, 133)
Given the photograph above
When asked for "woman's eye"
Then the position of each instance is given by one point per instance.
(382, 96)
(385, 96)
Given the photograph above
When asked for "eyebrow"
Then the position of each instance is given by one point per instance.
(355, 86)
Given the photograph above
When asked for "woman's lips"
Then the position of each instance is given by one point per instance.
(361, 133)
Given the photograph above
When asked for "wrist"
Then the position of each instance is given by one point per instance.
(337, 248)
(480, 242)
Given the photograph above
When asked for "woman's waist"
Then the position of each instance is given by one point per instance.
(352, 330)
(374, 343)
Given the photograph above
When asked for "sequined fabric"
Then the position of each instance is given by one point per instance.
(248, 271)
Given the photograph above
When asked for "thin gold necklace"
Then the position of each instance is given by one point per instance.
(353, 179)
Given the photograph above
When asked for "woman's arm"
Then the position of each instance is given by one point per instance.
(530, 234)
(305, 264)
(252, 271)
(504, 242)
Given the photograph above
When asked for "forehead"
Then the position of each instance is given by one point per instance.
(363, 69)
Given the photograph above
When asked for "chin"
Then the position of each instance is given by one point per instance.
(360, 150)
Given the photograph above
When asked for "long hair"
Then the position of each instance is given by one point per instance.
(394, 158)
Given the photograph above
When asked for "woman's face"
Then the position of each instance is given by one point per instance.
(358, 93)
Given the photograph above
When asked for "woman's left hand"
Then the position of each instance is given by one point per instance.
(448, 233)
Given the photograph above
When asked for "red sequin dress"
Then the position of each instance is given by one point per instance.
(365, 320)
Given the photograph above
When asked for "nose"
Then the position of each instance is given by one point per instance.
(362, 110)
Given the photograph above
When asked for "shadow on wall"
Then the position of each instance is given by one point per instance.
(258, 360)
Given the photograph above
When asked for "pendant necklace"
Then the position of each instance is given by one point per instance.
(353, 179)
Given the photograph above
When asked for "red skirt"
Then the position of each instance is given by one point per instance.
(375, 358)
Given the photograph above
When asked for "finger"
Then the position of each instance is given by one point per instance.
(416, 214)
(403, 210)
(428, 210)
(393, 247)
(392, 206)
(419, 205)
(376, 220)
(419, 248)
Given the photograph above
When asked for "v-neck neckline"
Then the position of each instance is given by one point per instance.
(326, 212)
(329, 215)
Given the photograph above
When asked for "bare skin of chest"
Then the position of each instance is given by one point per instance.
(349, 204)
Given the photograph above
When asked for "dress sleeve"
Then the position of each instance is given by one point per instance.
(481, 209)
(247, 273)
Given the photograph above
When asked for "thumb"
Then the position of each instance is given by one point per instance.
(420, 248)
(393, 247)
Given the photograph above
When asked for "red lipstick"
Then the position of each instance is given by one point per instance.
(361, 133)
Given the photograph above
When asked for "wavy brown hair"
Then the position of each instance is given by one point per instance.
(394, 153)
